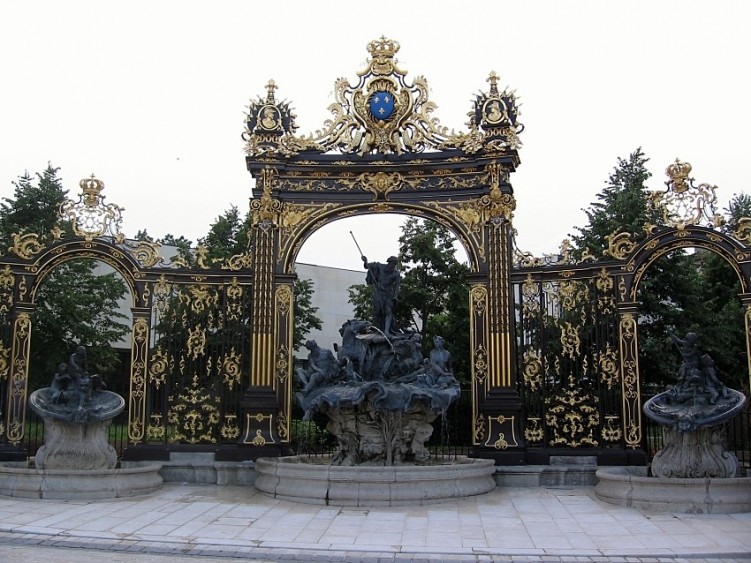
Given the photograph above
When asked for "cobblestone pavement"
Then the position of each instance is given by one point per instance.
(227, 524)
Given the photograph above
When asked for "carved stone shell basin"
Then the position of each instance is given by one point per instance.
(686, 416)
(103, 405)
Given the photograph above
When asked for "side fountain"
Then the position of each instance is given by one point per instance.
(76, 460)
(380, 396)
(693, 472)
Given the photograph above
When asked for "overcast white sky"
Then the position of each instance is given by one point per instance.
(150, 96)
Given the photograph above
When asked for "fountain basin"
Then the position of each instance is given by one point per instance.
(19, 480)
(300, 480)
(631, 487)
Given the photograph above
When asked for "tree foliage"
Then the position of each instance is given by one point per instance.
(621, 206)
(305, 313)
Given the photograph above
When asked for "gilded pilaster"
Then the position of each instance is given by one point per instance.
(138, 369)
(629, 353)
(19, 377)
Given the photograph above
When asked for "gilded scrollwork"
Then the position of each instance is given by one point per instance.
(533, 433)
(155, 429)
(17, 380)
(479, 427)
(383, 113)
(605, 296)
(607, 363)
(265, 211)
(572, 417)
(4, 361)
(293, 218)
(238, 262)
(611, 431)
(194, 414)
(7, 284)
(620, 245)
(230, 429)
(146, 253)
(530, 297)
(570, 340)
(480, 364)
(196, 341)
(159, 368)
(26, 246)
(533, 369)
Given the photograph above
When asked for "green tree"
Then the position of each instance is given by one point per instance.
(77, 303)
(305, 313)
(621, 206)
(33, 207)
(228, 235)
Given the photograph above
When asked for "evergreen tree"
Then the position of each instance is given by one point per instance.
(33, 207)
(622, 206)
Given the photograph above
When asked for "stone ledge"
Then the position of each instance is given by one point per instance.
(625, 486)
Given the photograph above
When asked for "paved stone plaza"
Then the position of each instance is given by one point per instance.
(213, 523)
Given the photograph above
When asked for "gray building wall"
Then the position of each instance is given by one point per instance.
(330, 295)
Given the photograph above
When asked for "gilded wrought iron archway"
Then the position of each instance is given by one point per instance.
(578, 323)
(554, 343)
(383, 152)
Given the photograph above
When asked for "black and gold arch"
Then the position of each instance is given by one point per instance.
(383, 151)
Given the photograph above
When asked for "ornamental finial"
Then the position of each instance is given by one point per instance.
(270, 87)
(92, 190)
(678, 173)
(493, 79)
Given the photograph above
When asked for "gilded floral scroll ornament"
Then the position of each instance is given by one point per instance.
(572, 417)
(194, 414)
(26, 246)
(265, 211)
(533, 369)
(620, 245)
(683, 203)
(90, 217)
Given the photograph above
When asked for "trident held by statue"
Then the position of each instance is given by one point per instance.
(357, 245)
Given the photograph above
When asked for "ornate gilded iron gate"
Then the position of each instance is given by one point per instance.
(554, 345)
(190, 336)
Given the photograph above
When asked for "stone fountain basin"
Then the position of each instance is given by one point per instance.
(315, 482)
(631, 487)
(19, 479)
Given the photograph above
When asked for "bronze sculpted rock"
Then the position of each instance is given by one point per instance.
(381, 395)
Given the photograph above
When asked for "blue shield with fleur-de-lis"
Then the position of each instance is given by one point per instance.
(381, 105)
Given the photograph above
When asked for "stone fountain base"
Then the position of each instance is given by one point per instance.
(631, 487)
(302, 480)
(23, 480)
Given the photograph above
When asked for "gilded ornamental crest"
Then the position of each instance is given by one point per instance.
(383, 113)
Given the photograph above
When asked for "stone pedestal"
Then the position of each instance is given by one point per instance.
(70, 445)
(695, 454)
